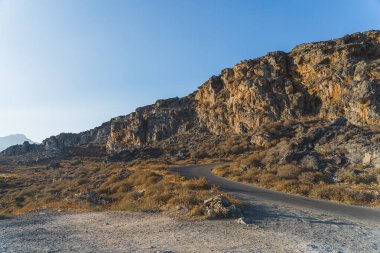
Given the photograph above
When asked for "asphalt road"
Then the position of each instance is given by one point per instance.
(246, 192)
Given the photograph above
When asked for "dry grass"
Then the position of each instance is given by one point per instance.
(361, 189)
(98, 186)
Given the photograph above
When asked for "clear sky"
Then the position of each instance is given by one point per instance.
(69, 65)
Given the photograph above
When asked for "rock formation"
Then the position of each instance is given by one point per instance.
(336, 79)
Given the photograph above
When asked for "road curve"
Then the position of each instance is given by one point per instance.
(249, 192)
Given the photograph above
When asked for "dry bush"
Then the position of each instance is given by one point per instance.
(366, 178)
(350, 177)
(310, 163)
(267, 179)
(198, 154)
(289, 171)
(227, 171)
(375, 138)
(98, 186)
(170, 191)
(253, 160)
(270, 159)
(196, 184)
(287, 185)
(197, 211)
(293, 186)
(344, 194)
(361, 187)
(309, 177)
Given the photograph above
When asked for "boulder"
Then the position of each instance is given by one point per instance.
(220, 207)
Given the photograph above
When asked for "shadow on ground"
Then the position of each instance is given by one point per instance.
(259, 214)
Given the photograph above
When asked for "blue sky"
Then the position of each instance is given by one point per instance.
(69, 65)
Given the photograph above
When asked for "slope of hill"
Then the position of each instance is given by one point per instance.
(11, 140)
(327, 80)
(296, 121)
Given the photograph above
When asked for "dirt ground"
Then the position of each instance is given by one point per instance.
(145, 232)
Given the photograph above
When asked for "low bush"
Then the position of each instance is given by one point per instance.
(96, 186)
(289, 171)
(310, 177)
(361, 188)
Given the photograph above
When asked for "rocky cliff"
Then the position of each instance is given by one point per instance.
(336, 79)
(152, 123)
(87, 142)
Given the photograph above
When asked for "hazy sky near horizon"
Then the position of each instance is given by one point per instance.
(69, 65)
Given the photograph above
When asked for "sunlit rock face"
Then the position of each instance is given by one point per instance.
(324, 81)
(337, 78)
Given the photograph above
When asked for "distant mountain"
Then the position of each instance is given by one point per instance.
(13, 139)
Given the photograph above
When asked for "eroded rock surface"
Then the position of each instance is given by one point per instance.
(333, 85)
(220, 207)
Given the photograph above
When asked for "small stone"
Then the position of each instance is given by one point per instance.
(140, 192)
(182, 207)
(244, 220)
(367, 159)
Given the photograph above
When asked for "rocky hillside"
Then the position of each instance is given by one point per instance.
(91, 141)
(337, 78)
(322, 81)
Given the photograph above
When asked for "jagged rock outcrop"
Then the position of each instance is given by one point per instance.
(98, 135)
(13, 139)
(152, 123)
(63, 144)
(336, 79)
(26, 147)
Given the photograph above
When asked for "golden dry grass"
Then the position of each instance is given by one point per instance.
(116, 186)
(362, 189)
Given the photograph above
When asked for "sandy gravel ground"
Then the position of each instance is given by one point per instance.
(140, 232)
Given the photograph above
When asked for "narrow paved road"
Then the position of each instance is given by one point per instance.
(247, 192)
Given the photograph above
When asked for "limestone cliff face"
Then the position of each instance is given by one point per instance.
(253, 93)
(326, 80)
(344, 74)
(337, 78)
(152, 123)
(62, 143)
(96, 136)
